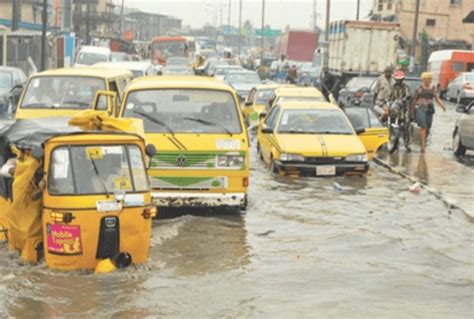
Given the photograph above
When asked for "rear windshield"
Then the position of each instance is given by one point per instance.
(98, 169)
(6, 81)
(359, 83)
(184, 111)
(90, 58)
(470, 77)
(62, 92)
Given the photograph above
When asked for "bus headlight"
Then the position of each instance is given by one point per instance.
(232, 161)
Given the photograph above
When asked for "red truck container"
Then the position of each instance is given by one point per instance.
(447, 64)
(297, 45)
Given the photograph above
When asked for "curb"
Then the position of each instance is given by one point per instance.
(438, 194)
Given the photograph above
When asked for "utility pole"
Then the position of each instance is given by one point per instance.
(228, 24)
(328, 13)
(88, 26)
(121, 18)
(263, 32)
(414, 36)
(240, 26)
(43, 35)
(16, 6)
(358, 10)
(315, 15)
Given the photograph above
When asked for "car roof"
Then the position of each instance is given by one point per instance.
(101, 72)
(95, 49)
(308, 105)
(131, 65)
(297, 91)
(178, 81)
(267, 86)
(9, 69)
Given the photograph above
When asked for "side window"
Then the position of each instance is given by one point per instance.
(122, 84)
(114, 88)
(272, 117)
(270, 102)
(251, 97)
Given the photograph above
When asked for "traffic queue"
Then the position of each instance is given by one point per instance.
(92, 153)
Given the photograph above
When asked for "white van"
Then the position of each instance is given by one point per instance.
(89, 55)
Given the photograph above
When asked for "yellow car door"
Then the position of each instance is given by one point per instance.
(266, 138)
(369, 129)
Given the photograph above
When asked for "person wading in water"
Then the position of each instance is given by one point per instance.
(423, 107)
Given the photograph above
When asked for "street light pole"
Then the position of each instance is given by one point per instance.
(414, 36)
(121, 18)
(43, 35)
(15, 6)
(228, 25)
(358, 9)
(263, 31)
(240, 26)
(328, 13)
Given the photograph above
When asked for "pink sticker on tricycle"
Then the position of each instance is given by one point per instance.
(64, 239)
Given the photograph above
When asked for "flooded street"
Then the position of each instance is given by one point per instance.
(305, 248)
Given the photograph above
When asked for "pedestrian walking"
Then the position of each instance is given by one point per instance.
(383, 88)
(423, 107)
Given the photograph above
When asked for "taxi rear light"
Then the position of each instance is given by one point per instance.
(245, 182)
(149, 212)
(65, 218)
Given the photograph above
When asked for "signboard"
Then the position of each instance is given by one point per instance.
(268, 33)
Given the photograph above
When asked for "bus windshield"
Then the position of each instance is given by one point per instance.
(62, 92)
(163, 50)
(184, 111)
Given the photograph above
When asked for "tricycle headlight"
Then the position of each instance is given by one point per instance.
(357, 158)
(288, 157)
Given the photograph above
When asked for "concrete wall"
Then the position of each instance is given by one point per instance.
(448, 18)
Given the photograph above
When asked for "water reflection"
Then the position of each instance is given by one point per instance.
(421, 170)
(202, 243)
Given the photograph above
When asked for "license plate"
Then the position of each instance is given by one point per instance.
(325, 170)
(108, 206)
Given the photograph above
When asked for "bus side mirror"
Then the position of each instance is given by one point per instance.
(106, 101)
(150, 151)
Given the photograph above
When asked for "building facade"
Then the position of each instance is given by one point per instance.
(442, 20)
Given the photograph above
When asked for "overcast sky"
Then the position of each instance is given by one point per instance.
(279, 13)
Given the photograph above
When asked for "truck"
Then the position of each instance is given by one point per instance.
(362, 48)
(446, 65)
(296, 45)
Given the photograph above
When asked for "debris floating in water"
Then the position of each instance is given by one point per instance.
(415, 188)
(337, 187)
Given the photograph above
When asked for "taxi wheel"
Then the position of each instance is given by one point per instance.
(273, 168)
(458, 148)
(259, 152)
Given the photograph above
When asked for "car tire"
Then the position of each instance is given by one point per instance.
(259, 152)
(459, 99)
(273, 167)
(393, 141)
(458, 148)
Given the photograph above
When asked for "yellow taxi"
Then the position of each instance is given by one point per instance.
(67, 91)
(202, 157)
(312, 138)
(256, 101)
(293, 93)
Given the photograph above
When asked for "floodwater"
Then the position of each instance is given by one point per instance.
(304, 249)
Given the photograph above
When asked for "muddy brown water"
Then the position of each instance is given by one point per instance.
(303, 249)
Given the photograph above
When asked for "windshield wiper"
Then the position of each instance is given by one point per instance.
(208, 123)
(42, 105)
(78, 103)
(295, 132)
(154, 120)
(100, 177)
(334, 133)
